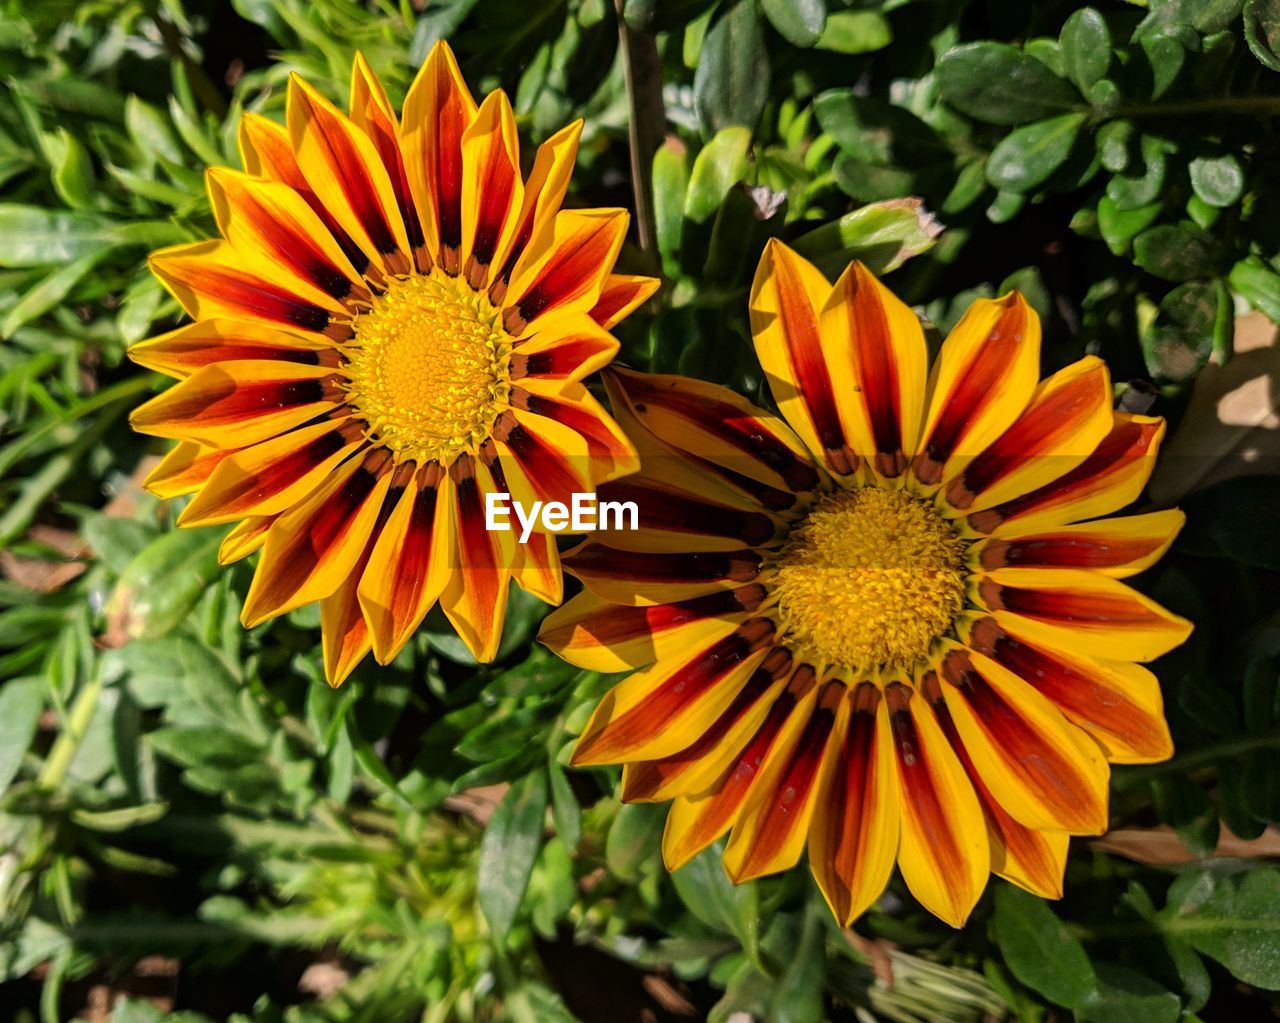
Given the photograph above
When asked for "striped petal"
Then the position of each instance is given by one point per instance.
(184, 470)
(698, 766)
(272, 219)
(214, 278)
(863, 322)
(635, 577)
(343, 169)
(541, 458)
(621, 295)
(981, 381)
(1116, 702)
(807, 382)
(437, 111)
(565, 271)
(611, 451)
(1069, 415)
(314, 547)
(663, 709)
(712, 423)
(408, 566)
(695, 821)
(1082, 611)
(492, 188)
(673, 520)
(1041, 769)
(244, 539)
(265, 151)
(235, 404)
(537, 569)
(602, 636)
(1034, 860)
(575, 349)
(475, 594)
(271, 477)
(373, 114)
(853, 840)
(543, 193)
(1115, 547)
(770, 833)
(1110, 478)
(189, 349)
(944, 855)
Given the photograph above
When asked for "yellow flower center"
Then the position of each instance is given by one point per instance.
(868, 580)
(428, 369)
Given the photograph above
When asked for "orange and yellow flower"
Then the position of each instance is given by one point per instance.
(394, 322)
(890, 624)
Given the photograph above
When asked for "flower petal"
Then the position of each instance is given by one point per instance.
(1080, 611)
(214, 278)
(437, 110)
(663, 709)
(981, 381)
(271, 477)
(373, 114)
(1116, 547)
(600, 635)
(537, 570)
(267, 217)
(621, 295)
(246, 538)
(1110, 478)
(695, 821)
(565, 271)
(1117, 703)
(575, 349)
(184, 470)
(475, 594)
(542, 458)
(1042, 771)
(343, 169)
(771, 831)
(864, 322)
(314, 547)
(634, 577)
(1069, 415)
(944, 854)
(235, 404)
(492, 188)
(853, 840)
(190, 348)
(806, 381)
(408, 566)
(611, 452)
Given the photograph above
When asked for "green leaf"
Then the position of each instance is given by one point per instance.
(1086, 47)
(162, 584)
(21, 702)
(1120, 227)
(731, 83)
(31, 236)
(872, 182)
(151, 133)
(800, 22)
(1165, 56)
(1218, 180)
(50, 290)
(883, 235)
(670, 184)
(1233, 917)
(566, 814)
(1262, 31)
(1259, 284)
(1040, 951)
(1186, 329)
(721, 164)
(852, 32)
(634, 837)
(705, 888)
(1175, 252)
(1027, 156)
(507, 850)
(1113, 140)
(999, 84)
(1126, 996)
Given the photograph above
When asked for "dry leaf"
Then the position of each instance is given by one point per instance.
(1160, 845)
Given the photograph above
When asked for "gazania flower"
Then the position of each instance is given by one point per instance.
(890, 625)
(394, 323)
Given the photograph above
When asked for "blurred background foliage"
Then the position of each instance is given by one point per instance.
(193, 827)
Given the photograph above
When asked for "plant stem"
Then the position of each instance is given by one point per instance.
(69, 738)
(1264, 106)
(642, 71)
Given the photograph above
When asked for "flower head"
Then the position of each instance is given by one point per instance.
(394, 322)
(889, 625)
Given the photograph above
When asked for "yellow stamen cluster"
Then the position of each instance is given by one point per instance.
(428, 369)
(868, 580)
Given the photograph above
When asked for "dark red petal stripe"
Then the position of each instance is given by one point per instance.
(660, 509)
(236, 402)
(295, 247)
(878, 370)
(1067, 550)
(598, 559)
(623, 623)
(569, 265)
(1065, 606)
(249, 490)
(559, 361)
